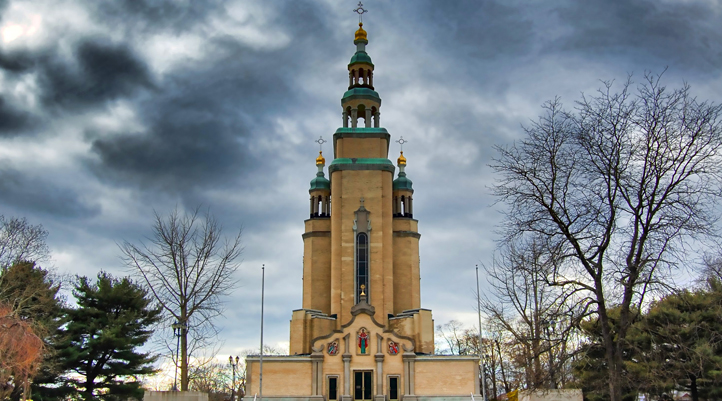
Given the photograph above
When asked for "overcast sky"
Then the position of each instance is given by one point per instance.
(112, 109)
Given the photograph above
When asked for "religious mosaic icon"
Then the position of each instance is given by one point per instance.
(393, 348)
(333, 348)
(364, 343)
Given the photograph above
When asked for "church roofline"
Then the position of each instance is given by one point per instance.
(343, 163)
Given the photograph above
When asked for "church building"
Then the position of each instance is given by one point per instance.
(361, 333)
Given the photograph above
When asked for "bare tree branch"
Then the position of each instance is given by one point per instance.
(188, 266)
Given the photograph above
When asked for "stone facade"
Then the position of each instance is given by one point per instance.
(361, 333)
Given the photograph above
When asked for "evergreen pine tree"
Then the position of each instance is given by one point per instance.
(113, 318)
(685, 340)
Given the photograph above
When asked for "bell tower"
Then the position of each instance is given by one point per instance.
(361, 334)
(361, 241)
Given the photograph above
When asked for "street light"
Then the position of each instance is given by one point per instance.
(549, 327)
(178, 329)
(233, 366)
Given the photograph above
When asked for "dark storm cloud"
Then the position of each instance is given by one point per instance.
(199, 126)
(12, 120)
(205, 118)
(684, 33)
(473, 29)
(41, 196)
(100, 71)
(18, 61)
(155, 15)
(487, 30)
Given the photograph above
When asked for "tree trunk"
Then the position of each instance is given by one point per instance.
(184, 359)
(611, 353)
(693, 388)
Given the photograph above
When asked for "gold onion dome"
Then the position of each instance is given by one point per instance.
(402, 160)
(320, 160)
(360, 34)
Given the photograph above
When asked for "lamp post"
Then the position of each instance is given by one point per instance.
(549, 327)
(482, 362)
(178, 328)
(233, 366)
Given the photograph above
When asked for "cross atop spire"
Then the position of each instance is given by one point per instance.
(360, 10)
(320, 141)
(401, 142)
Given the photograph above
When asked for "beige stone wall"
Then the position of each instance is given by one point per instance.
(551, 395)
(347, 189)
(317, 265)
(362, 147)
(407, 286)
(392, 364)
(174, 396)
(282, 376)
(440, 375)
(304, 328)
(419, 326)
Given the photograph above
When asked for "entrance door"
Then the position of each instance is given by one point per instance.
(393, 388)
(362, 385)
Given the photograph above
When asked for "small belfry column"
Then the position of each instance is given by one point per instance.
(316, 260)
(320, 191)
(407, 286)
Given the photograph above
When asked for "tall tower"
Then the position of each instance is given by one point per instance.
(361, 334)
(361, 243)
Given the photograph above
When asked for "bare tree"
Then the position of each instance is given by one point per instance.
(454, 339)
(539, 318)
(21, 241)
(618, 187)
(188, 266)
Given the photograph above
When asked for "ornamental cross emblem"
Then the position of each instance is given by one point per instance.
(360, 10)
(320, 141)
(401, 142)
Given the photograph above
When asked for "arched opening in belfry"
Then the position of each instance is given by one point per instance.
(361, 113)
(346, 117)
(362, 76)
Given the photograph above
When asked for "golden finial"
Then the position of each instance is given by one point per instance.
(360, 34)
(402, 160)
(320, 161)
(363, 287)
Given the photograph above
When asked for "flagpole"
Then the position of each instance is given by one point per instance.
(260, 376)
(481, 344)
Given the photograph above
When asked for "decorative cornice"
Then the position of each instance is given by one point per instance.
(313, 234)
(354, 163)
(411, 234)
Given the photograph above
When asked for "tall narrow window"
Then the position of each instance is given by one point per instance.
(362, 230)
(362, 265)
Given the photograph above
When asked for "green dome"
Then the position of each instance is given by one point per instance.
(361, 93)
(320, 182)
(403, 183)
(361, 57)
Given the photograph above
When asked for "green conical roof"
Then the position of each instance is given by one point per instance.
(360, 57)
(320, 182)
(403, 183)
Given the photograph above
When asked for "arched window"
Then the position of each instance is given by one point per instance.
(362, 265)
